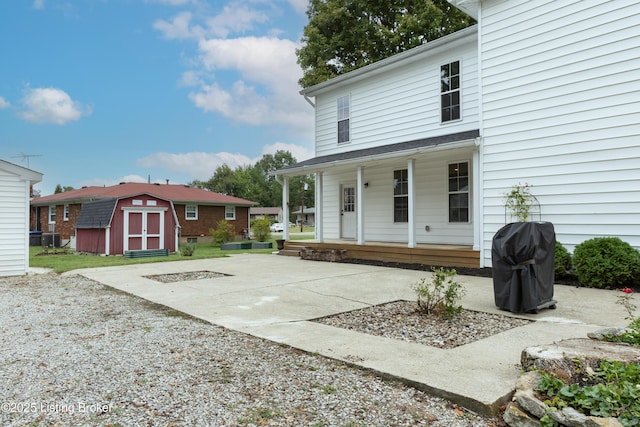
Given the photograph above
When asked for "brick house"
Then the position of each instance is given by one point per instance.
(196, 210)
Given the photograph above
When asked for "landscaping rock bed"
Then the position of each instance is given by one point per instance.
(400, 320)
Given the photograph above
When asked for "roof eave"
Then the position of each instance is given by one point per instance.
(391, 62)
(304, 170)
(470, 7)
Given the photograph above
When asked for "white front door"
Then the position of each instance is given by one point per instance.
(348, 218)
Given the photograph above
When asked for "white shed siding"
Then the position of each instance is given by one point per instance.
(14, 225)
(561, 111)
(401, 104)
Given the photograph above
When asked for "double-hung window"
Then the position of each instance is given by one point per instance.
(52, 214)
(230, 212)
(450, 92)
(343, 119)
(66, 213)
(459, 192)
(401, 195)
(191, 212)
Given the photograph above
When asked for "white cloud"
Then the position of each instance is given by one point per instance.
(4, 103)
(201, 166)
(299, 152)
(236, 18)
(299, 6)
(179, 27)
(198, 165)
(51, 105)
(267, 92)
(38, 4)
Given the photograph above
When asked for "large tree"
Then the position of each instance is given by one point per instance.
(343, 35)
(256, 183)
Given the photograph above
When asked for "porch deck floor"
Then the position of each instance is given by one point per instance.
(397, 252)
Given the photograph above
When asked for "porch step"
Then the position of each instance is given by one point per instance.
(149, 253)
(291, 249)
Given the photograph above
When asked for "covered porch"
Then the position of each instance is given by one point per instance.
(413, 202)
(441, 255)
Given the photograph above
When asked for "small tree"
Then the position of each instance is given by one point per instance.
(261, 229)
(223, 232)
(442, 295)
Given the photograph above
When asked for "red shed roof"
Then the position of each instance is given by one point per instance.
(173, 192)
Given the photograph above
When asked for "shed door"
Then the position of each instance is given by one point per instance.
(348, 212)
(143, 230)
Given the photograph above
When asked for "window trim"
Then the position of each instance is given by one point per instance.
(65, 215)
(405, 209)
(340, 118)
(451, 91)
(467, 191)
(230, 209)
(194, 216)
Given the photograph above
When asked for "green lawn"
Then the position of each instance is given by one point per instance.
(61, 260)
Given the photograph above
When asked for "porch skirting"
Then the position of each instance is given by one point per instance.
(425, 254)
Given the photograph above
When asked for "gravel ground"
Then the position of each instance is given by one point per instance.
(76, 353)
(400, 320)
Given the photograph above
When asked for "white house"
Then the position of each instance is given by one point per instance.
(420, 148)
(15, 192)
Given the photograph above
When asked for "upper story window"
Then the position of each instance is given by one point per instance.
(230, 212)
(450, 91)
(459, 192)
(191, 212)
(343, 119)
(401, 195)
(52, 214)
(66, 213)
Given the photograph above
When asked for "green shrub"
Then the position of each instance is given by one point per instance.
(442, 295)
(606, 262)
(223, 232)
(261, 229)
(188, 249)
(562, 264)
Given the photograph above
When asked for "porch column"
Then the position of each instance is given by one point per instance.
(411, 238)
(319, 198)
(285, 207)
(475, 188)
(360, 205)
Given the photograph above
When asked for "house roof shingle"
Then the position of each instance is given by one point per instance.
(96, 214)
(172, 192)
(384, 150)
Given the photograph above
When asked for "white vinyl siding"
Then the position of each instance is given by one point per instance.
(401, 103)
(431, 201)
(14, 225)
(561, 112)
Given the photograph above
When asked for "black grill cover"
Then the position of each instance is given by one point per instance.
(523, 256)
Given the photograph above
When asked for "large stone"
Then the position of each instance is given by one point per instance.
(558, 357)
(603, 422)
(565, 359)
(516, 417)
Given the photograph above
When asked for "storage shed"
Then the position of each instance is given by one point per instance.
(15, 193)
(117, 225)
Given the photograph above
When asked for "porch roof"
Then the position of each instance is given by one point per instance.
(449, 141)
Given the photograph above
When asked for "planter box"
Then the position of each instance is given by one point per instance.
(245, 245)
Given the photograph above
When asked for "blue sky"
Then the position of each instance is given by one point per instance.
(97, 92)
